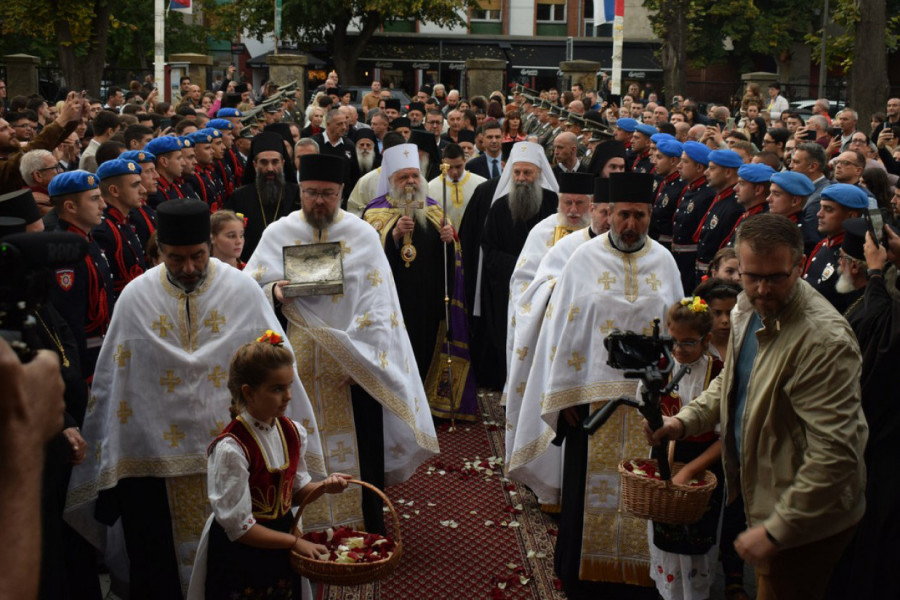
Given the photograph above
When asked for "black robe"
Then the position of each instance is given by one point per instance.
(245, 200)
(865, 568)
(502, 241)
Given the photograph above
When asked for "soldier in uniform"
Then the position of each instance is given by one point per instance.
(121, 189)
(640, 146)
(234, 158)
(668, 189)
(83, 293)
(840, 201)
(169, 164)
(204, 179)
(716, 227)
(226, 128)
(624, 133)
(143, 218)
(693, 203)
(223, 175)
(788, 193)
(752, 190)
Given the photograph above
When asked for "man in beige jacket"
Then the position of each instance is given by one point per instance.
(788, 401)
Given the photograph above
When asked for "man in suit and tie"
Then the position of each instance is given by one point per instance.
(488, 164)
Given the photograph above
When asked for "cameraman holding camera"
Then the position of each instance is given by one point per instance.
(788, 402)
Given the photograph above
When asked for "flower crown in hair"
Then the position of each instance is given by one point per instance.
(271, 337)
(696, 304)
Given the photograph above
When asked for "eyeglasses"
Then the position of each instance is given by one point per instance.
(846, 163)
(57, 167)
(772, 279)
(323, 194)
(686, 343)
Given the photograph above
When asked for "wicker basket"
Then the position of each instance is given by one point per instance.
(663, 501)
(348, 573)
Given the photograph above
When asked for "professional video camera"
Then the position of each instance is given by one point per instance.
(27, 262)
(641, 357)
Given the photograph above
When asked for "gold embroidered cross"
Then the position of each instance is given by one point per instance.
(610, 325)
(162, 326)
(603, 489)
(214, 321)
(345, 249)
(520, 390)
(174, 435)
(522, 352)
(216, 376)
(653, 282)
(526, 308)
(374, 278)
(364, 321)
(573, 312)
(169, 381)
(341, 452)
(122, 355)
(607, 280)
(124, 412)
(220, 425)
(309, 428)
(576, 361)
(394, 319)
(382, 358)
(523, 286)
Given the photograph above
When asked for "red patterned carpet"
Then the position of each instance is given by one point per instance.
(467, 531)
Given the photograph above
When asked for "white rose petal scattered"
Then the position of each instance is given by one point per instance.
(515, 524)
(502, 585)
(511, 566)
(541, 555)
(488, 523)
(432, 504)
(405, 516)
(473, 512)
(531, 554)
(523, 580)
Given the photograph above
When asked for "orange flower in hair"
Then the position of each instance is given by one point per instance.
(696, 304)
(271, 337)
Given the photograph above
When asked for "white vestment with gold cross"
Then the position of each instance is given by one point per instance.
(160, 393)
(529, 318)
(599, 289)
(359, 334)
(458, 194)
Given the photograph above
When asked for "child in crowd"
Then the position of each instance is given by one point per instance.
(724, 265)
(226, 229)
(683, 557)
(256, 473)
(721, 296)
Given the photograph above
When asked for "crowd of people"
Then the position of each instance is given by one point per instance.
(492, 243)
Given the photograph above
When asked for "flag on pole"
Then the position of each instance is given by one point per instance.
(604, 11)
(184, 6)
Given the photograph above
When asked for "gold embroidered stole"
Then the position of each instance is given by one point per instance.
(190, 508)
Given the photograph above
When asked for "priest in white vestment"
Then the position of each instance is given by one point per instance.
(160, 396)
(354, 355)
(459, 184)
(619, 280)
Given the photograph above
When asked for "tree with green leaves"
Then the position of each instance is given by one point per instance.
(328, 22)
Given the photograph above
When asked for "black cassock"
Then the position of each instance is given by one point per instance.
(865, 568)
(245, 200)
(502, 241)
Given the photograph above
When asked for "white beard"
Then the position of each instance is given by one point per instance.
(844, 284)
(525, 200)
(365, 160)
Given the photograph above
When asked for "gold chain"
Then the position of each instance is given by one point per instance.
(263, 210)
(56, 341)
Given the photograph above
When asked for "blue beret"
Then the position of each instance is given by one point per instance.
(648, 130)
(163, 145)
(795, 184)
(116, 167)
(670, 147)
(697, 152)
(73, 182)
(186, 142)
(627, 124)
(215, 133)
(200, 137)
(756, 172)
(844, 194)
(726, 158)
(220, 124)
(224, 113)
(138, 156)
(656, 137)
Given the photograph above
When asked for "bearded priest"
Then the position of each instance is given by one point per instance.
(354, 355)
(619, 280)
(160, 397)
(420, 244)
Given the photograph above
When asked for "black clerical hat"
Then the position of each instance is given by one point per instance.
(419, 106)
(20, 204)
(601, 190)
(183, 222)
(322, 167)
(267, 141)
(11, 225)
(400, 122)
(366, 134)
(466, 135)
(854, 238)
(392, 103)
(631, 187)
(604, 153)
(576, 183)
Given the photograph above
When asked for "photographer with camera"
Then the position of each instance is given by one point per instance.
(788, 402)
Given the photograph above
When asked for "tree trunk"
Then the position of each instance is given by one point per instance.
(84, 73)
(674, 53)
(868, 74)
(346, 52)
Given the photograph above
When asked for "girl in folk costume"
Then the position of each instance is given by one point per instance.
(683, 557)
(226, 230)
(256, 472)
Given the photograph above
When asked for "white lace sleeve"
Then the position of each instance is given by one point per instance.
(302, 477)
(228, 485)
